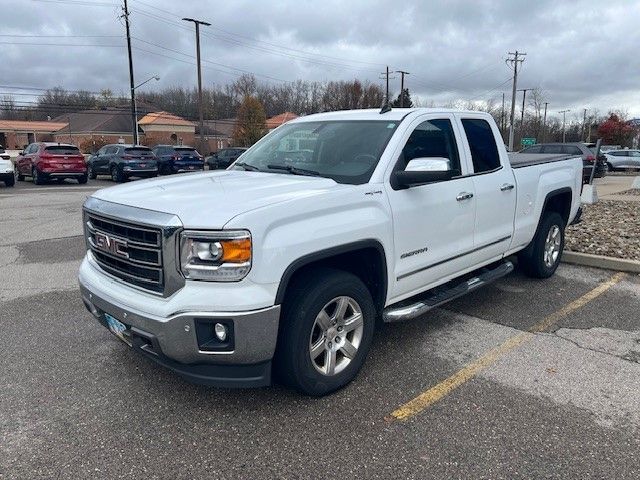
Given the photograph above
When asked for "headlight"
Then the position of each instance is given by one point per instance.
(223, 256)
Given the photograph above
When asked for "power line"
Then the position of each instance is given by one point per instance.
(402, 74)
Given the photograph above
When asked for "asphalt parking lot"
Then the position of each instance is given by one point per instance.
(523, 379)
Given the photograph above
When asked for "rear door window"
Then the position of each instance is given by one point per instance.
(482, 143)
(62, 150)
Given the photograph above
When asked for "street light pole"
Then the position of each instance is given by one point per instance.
(197, 23)
(135, 104)
(564, 119)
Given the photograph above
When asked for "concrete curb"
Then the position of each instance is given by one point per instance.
(600, 261)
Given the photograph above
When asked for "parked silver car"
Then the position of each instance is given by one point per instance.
(621, 159)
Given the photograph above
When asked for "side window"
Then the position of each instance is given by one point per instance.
(433, 138)
(572, 150)
(484, 151)
(30, 149)
(553, 149)
(533, 149)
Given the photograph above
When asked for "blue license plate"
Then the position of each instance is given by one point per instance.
(118, 328)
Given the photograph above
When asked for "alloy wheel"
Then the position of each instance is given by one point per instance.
(552, 246)
(336, 335)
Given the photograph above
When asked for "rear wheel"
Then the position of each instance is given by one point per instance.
(326, 330)
(38, 179)
(116, 174)
(542, 257)
(20, 177)
(83, 179)
(10, 181)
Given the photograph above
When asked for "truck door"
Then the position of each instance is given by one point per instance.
(494, 188)
(433, 223)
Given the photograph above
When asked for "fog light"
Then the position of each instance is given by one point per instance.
(221, 331)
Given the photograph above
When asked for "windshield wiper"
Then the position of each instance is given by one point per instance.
(246, 166)
(295, 170)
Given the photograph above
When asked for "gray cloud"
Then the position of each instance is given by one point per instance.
(581, 53)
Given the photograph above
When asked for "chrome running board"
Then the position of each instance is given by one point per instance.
(416, 306)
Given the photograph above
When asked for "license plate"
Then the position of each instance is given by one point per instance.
(191, 167)
(118, 328)
(143, 164)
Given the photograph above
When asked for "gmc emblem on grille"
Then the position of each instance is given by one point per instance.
(111, 245)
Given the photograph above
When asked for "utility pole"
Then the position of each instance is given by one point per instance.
(517, 57)
(200, 102)
(386, 75)
(524, 94)
(502, 118)
(402, 74)
(134, 123)
(584, 122)
(544, 122)
(564, 120)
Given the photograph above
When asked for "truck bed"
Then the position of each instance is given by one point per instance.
(519, 160)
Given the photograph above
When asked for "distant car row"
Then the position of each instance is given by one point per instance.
(611, 158)
(578, 149)
(46, 161)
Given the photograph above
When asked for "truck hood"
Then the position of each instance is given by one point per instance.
(209, 200)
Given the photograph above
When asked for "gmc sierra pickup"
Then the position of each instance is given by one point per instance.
(286, 262)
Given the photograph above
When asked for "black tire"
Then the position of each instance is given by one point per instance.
(610, 168)
(10, 181)
(83, 179)
(20, 177)
(532, 259)
(305, 298)
(36, 176)
(91, 173)
(116, 174)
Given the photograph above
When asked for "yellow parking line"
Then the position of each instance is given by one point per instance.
(431, 396)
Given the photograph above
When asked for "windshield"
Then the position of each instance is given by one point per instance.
(346, 151)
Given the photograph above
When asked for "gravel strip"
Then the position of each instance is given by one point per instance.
(609, 228)
(634, 192)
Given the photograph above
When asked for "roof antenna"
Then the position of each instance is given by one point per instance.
(386, 107)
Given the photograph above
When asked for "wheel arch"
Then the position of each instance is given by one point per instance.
(365, 258)
(558, 201)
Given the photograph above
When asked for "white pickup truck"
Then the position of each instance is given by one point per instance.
(287, 262)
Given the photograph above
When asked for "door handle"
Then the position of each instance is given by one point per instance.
(506, 186)
(464, 196)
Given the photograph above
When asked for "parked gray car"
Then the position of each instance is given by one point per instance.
(622, 159)
(576, 148)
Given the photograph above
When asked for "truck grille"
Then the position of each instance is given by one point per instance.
(130, 252)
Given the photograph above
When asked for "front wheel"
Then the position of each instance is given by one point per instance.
(326, 330)
(91, 172)
(542, 257)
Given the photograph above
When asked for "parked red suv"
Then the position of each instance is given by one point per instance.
(44, 161)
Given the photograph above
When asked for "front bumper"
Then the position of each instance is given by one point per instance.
(173, 343)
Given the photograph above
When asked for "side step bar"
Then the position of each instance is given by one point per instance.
(416, 306)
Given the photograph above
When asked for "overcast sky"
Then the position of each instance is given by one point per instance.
(581, 53)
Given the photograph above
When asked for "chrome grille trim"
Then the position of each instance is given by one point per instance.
(149, 263)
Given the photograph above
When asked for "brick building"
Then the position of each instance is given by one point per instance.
(15, 134)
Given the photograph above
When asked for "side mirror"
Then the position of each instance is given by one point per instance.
(423, 170)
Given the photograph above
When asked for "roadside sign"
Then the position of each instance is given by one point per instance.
(526, 141)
